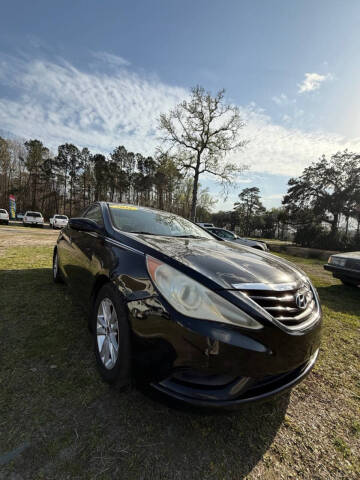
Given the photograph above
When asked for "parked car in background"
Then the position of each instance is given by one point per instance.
(59, 221)
(232, 237)
(19, 216)
(205, 225)
(33, 218)
(4, 216)
(346, 267)
(202, 320)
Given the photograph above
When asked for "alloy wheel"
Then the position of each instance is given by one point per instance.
(107, 333)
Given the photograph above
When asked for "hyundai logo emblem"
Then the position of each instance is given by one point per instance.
(301, 300)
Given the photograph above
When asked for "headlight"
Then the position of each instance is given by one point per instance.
(192, 299)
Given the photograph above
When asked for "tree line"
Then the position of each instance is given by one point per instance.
(321, 208)
(71, 179)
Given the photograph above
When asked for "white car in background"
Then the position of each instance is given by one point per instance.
(59, 221)
(33, 218)
(4, 216)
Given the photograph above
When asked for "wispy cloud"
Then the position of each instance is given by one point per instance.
(111, 59)
(283, 150)
(283, 100)
(58, 103)
(313, 81)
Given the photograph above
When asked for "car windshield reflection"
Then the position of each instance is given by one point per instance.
(131, 219)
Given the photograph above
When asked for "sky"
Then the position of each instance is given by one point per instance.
(99, 73)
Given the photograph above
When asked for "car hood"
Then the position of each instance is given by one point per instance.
(354, 255)
(226, 263)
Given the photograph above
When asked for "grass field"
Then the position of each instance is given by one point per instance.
(58, 420)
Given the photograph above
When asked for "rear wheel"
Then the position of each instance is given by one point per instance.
(112, 337)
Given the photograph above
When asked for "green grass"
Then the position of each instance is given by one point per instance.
(71, 425)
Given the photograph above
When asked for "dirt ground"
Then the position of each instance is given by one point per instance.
(16, 236)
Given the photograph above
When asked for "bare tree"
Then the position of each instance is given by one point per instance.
(203, 130)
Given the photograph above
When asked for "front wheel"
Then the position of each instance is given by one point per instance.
(56, 271)
(112, 337)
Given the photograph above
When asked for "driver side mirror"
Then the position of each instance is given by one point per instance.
(84, 225)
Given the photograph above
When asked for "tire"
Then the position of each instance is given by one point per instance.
(113, 368)
(56, 270)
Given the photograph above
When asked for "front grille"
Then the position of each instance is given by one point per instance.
(284, 306)
(353, 263)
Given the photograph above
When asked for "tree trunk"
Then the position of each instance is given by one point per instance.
(334, 225)
(84, 190)
(195, 189)
(161, 199)
(65, 191)
(71, 197)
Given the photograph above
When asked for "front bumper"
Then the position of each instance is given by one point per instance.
(342, 272)
(236, 392)
(207, 363)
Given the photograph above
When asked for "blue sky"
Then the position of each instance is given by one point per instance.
(98, 73)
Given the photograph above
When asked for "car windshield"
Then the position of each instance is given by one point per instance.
(222, 233)
(61, 217)
(226, 234)
(33, 214)
(2, 211)
(152, 222)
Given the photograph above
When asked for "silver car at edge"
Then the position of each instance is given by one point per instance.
(232, 237)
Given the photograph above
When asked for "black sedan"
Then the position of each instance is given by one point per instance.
(346, 267)
(203, 320)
